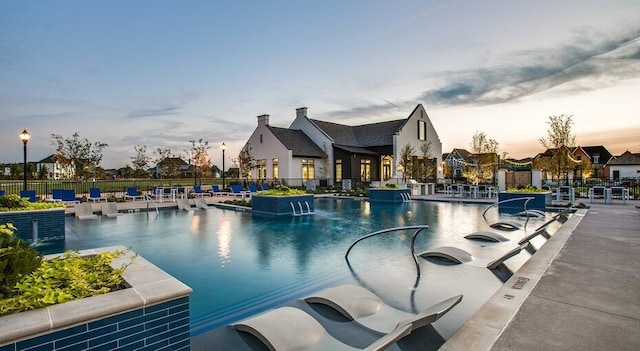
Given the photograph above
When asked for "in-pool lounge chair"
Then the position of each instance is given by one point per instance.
(368, 310)
(132, 193)
(96, 195)
(292, 329)
(84, 211)
(109, 209)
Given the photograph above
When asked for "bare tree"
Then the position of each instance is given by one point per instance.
(560, 141)
(199, 156)
(140, 161)
(245, 162)
(406, 161)
(428, 165)
(164, 166)
(484, 152)
(84, 155)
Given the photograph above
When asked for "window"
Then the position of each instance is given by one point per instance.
(596, 158)
(261, 168)
(338, 170)
(422, 130)
(386, 168)
(274, 166)
(260, 138)
(308, 169)
(365, 170)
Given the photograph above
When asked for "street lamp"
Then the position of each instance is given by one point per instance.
(223, 147)
(24, 136)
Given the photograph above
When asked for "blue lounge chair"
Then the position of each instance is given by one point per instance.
(30, 194)
(197, 191)
(132, 193)
(96, 195)
(238, 190)
(69, 196)
(56, 195)
(265, 187)
(2, 193)
(253, 188)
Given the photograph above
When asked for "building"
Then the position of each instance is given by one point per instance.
(54, 169)
(456, 161)
(624, 166)
(322, 151)
(597, 156)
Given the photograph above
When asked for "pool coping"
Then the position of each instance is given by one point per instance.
(486, 325)
(147, 285)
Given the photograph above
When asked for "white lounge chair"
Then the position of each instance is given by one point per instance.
(368, 310)
(183, 204)
(201, 203)
(84, 211)
(291, 329)
(109, 209)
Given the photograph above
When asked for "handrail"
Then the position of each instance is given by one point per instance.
(527, 198)
(413, 240)
(149, 199)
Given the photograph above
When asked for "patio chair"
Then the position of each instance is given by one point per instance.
(238, 190)
(69, 196)
(109, 209)
(567, 192)
(84, 211)
(215, 190)
(265, 187)
(133, 194)
(368, 310)
(197, 191)
(56, 195)
(620, 192)
(30, 194)
(291, 329)
(96, 195)
(456, 255)
(253, 188)
(597, 192)
(2, 193)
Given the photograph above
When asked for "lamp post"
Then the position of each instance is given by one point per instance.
(223, 147)
(24, 136)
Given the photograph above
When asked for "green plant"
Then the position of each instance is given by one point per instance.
(17, 259)
(238, 203)
(392, 186)
(13, 202)
(526, 189)
(66, 278)
(281, 190)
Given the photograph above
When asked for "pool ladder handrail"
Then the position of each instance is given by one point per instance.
(150, 199)
(413, 240)
(526, 201)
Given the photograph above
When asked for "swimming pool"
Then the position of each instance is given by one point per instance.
(239, 265)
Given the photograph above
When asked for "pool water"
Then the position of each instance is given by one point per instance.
(238, 265)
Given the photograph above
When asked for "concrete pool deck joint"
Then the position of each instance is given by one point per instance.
(485, 326)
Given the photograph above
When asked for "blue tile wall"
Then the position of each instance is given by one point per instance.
(50, 224)
(164, 326)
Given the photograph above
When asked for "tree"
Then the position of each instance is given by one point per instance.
(245, 162)
(43, 172)
(140, 161)
(164, 166)
(78, 152)
(199, 156)
(428, 165)
(406, 161)
(560, 141)
(484, 152)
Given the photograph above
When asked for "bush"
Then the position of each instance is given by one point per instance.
(13, 202)
(17, 259)
(281, 190)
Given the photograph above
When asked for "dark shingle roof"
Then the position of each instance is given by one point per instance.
(600, 150)
(627, 158)
(298, 142)
(366, 135)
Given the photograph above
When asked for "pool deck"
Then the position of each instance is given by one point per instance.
(580, 291)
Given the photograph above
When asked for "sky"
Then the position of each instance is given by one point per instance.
(160, 73)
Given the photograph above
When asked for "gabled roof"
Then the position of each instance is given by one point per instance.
(298, 142)
(366, 135)
(48, 159)
(601, 151)
(466, 155)
(627, 158)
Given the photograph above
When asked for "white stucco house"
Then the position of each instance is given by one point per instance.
(312, 149)
(624, 166)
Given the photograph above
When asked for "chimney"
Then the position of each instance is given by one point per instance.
(301, 112)
(263, 120)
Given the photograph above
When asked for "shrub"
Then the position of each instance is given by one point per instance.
(281, 190)
(392, 186)
(17, 259)
(526, 189)
(13, 202)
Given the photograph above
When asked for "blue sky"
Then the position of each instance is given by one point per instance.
(161, 73)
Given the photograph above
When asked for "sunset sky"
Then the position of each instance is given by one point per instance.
(161, 73)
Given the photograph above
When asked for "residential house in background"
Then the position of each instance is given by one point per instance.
(171, 167)
(456, 161)
(597, 156)
(54, 169)
(624, 166)
(312, 149)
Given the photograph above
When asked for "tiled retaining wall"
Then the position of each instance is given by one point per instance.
(153, 314)
(50, 223)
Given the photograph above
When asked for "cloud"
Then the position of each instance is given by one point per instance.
(592, 61)
(168, 110)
